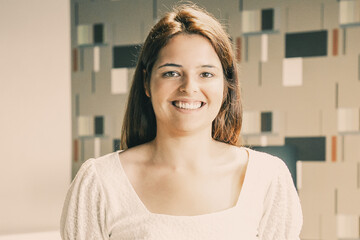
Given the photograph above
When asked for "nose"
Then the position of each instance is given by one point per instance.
(189, 84)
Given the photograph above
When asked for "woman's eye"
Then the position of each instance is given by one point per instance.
(206, 75)
(171, 74)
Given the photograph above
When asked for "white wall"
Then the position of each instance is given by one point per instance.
(35, 127)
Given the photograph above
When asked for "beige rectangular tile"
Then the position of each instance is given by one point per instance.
(328, 226)
(119, 80)
(292, 72)
(348, 200)
(251, 122)
(85, 125)
(347, 226)
(348, 119)
(319, 175)
(352, 148)
(348, 11)
(84, 34)
(251, 21)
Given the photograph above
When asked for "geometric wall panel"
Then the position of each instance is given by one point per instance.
(349, 205)
(125, 56)
(116, 144)
(76, 150)
(119, 80)
(257, 21)
(264, 47)
(85, 125)
(251, 21)
(99, 125)
(84, 34)
(266, 121)
(348, 119)
(292, 72)
(351, 149)
(308, 148)
(98, 33)
(96, 65)
(251, 122)
(75, 59)
(342, 176)
(88, 150)
(347, 226)
(90, 34)
(97, 147)
(301, 114)
(306, 44)
(256, 123)
(335, 48)
(314, 204)
(333, 148)
(349, 11)
(267, 19)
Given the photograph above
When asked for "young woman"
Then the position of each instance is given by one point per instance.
(183, 174)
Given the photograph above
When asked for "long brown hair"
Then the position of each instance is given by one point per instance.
(139, 125)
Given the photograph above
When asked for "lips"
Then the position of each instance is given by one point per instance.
(193, 105)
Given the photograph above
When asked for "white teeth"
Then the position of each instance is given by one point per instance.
(187, 105)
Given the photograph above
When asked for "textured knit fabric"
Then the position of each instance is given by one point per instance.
(102, 204)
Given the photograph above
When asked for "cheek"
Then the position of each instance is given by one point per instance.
(158, 90)
(160, 93)
(217, 91)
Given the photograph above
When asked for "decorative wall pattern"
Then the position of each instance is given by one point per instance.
(300, 74)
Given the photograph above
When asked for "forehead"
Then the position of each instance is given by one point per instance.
(188, 49)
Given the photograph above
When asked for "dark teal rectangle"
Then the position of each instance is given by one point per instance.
(125, 56)
(267, 19)
(116, 144)
(266, 121)
(306, 44)
(98, 33)
(308, 148)
(99, 125)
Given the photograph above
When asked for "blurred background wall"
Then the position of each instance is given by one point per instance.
(35, 120)
(299, 64)
(300, 74)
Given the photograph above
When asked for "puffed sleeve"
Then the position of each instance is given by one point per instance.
(84, 216)
(282, 218)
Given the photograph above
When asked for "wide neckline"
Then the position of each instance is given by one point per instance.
(220, 212)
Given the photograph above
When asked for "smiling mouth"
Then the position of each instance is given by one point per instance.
(188, 105)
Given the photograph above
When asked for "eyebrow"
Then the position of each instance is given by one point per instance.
(169, 65)
(208, 66)
(177, 65)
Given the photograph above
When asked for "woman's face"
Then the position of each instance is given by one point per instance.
(187, 85)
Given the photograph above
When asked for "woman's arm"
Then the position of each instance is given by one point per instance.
(282, 218)
(83, 215)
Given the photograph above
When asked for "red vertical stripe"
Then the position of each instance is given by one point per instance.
(75, 59)
(333, 149)
(76, 150)
(335, 49)
(238, 49)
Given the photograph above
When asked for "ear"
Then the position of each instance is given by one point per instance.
(146, 84)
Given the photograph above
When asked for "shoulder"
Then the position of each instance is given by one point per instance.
(106, 162)
(266, 163)
(98, 169)
(268, 171)
(136, 155)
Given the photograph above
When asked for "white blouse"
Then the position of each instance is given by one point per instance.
(102, 204)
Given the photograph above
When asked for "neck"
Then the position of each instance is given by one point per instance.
(186, 151)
